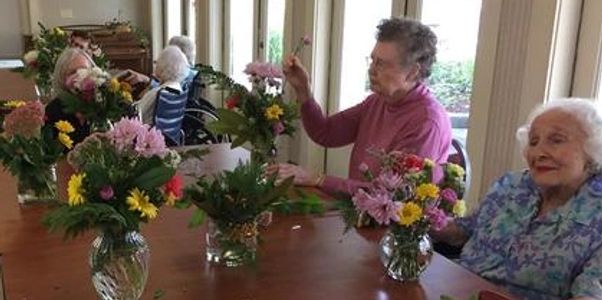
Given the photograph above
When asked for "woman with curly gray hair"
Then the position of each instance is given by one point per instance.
(537, 232)
(171, 69)
(401, 114)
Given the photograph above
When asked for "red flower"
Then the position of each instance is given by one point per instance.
(174, 186)
(232, 102)
(413, 162)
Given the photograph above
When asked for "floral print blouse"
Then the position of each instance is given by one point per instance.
(556, 256)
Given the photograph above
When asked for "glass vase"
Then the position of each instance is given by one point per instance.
(36, 187)
(231, 246)
(119, 265)
(405, 257)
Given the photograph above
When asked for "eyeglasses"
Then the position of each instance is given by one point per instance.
(380, 64)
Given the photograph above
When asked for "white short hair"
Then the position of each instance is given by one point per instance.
(171, 65)
(186, 46)
(61, 68)
(585, 111)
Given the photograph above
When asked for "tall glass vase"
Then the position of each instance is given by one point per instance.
(231, 246)
(404, 256)
(37, 186)
(119, 265)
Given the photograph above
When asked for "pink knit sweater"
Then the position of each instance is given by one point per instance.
(417, 124)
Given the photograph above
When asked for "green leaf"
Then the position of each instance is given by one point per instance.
(154, 177)
(198, 217)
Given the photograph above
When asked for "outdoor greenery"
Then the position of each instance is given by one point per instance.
(275, 47)
(451, 81)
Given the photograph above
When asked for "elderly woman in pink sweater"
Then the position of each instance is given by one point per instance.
(401, 114)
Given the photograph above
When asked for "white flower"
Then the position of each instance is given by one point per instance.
(30, 57)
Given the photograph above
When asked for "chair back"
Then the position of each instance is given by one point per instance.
(460, 157)
(169, 113)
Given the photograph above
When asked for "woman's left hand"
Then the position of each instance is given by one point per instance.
(302, 176)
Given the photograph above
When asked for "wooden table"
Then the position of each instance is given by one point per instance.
(302, 257)
(14, 86)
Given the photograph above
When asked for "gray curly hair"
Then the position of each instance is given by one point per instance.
(61, 68)
(586, 112)
(171, 65)
(186, 45)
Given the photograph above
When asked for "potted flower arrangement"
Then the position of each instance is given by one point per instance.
(29, 149)
(237, 202)
(122, 178)
(403, 197)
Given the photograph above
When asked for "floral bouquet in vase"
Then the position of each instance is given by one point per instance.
(403, 197)
(258, 116)
(99, 99)
(237, 202)
(28, 149)
(122, 178)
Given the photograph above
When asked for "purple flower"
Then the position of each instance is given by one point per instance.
(389, 180)
(306, 40)
(106, 192)
(436, 217)
(379, 205)
(149, 143)
(363, 167)
(449, 195)
(278, 128)
(125, 132)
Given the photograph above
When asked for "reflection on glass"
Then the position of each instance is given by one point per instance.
(275, 31)
(174, 18)
(451, 79)
(361, 19)
(241, 39)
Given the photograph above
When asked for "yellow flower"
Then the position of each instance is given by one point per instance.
(427, 190)
(138, 200)
(170, 199)
(114, 85)
(58, 31)
(75, 190)
(126, 87)
(455, 170)
(459, 208)
(65, 140)
(126, 96)
(273, 112)
(12, 104)
(428, 163)
(409, 213)
(64, 126)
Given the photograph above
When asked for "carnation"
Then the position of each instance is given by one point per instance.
(25, 121)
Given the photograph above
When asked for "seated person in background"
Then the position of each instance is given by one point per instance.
(70, 60)
(187, 47)
(402, 114)
(172, 67)
(539, 232)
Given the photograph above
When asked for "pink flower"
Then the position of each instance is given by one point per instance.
(106, 192)
(436, 217)
(25, 121)
(363, 167)
(263, 70)
(379, 205)
(389, 180)
(125, 133)
(449, 195)
(151, 142)
(278, 128)
(306, 40)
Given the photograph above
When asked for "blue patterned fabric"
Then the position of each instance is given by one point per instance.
(557, 256)
(169, 113)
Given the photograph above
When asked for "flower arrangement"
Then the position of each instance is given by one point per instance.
(258, 116)
(237, 202)
(403, 197)
(99, 98)
(28, 148)
(122, 178)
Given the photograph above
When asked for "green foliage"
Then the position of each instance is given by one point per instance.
(451, 82)
(275, 47)
(78, 219)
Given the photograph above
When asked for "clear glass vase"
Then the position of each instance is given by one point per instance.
(405, 257)
(119, 265)
(231, 246)
(37, 186)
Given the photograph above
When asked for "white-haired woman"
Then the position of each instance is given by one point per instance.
(538, 232)
(171, 69)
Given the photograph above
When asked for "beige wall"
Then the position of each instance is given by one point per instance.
(10, 35)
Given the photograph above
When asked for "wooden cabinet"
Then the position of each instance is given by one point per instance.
(124, 51)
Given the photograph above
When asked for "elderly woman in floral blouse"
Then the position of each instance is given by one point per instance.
(539, 232)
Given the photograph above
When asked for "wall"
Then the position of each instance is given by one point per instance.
(68, 12)
(10, 35)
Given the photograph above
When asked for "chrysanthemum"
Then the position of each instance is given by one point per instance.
(114, 85)
(409, 213)
(273, 112)
(64, 126)
(455, 170)
(65, 140)
(12, 104)
(138, 200)
(459, 208)
(427, 190)
(75, 189)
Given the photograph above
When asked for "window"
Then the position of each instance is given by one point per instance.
(275, 31)
(456, 26)
(173, 18)
(191, 20)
